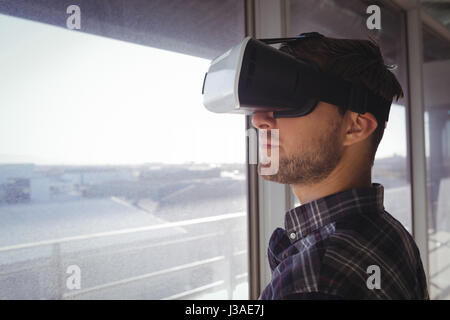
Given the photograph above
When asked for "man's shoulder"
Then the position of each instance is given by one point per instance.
(358, 247)
(370, 245)
(373, 236)
(339, 259)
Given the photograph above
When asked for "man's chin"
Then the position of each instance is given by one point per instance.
(270, 177)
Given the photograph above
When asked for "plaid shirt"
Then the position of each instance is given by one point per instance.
(344, 246)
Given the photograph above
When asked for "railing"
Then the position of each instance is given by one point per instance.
(227, 257)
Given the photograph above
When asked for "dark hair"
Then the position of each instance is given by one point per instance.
(351, 59)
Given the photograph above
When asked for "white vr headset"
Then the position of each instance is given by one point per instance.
(254, 76)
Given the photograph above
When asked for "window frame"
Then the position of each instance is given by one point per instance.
(267, 200)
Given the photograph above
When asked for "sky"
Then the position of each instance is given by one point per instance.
(78, 99)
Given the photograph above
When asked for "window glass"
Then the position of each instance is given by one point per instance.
(347, 19)
(436, 70)
(115, 181)
(439, 10)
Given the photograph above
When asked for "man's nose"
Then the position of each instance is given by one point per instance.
(263, 120)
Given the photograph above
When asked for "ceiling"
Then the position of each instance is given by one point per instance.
(439, 9)
(194, 27)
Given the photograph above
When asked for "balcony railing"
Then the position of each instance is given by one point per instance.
(227, 258)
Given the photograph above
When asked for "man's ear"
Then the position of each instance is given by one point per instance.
(359, 127)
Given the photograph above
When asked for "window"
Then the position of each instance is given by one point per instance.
(436, 70)
(347, 19)
(115, 181)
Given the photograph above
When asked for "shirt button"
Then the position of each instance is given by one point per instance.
(292, 235)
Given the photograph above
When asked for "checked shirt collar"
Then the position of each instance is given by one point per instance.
(309, 217)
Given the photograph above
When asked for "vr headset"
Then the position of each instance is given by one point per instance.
(254, 76)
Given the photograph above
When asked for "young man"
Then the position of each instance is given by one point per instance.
(339, 243)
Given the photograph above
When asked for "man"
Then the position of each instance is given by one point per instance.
(339, 243)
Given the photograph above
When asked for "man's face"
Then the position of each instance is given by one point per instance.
(310, 147)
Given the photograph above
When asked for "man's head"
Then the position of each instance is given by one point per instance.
(312, 146)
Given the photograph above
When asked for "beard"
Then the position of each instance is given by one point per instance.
(309, 166)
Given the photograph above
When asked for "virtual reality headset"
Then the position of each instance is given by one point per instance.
(254, 76)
